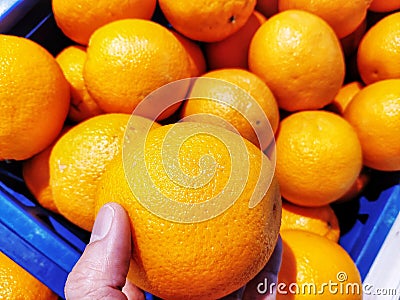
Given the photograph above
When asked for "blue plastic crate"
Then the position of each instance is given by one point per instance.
(366, 222)
(47, 245)
(11, 11)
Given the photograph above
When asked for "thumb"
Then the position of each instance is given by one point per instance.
(101, 271)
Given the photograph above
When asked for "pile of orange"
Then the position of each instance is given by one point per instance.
(306, 92)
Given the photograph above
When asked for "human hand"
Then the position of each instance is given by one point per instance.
(101, 271)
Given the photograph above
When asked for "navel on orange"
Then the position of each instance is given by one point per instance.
(378, 55)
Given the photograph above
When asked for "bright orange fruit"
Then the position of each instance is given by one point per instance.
(242, 114)
(345, 95)
(378, 56)
(342, 15)
(128, 59)
(319, 220)
(384, 5)
(17, 284)
(78, 19)
(375, 115)
(280, 54)
(77, 161)
(194, 260)
(34, 98)
(83, 106)
(311, 275)
(207, 21)
(36, 175)
(318, 157)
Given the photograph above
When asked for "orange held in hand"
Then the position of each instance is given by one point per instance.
(177, 255)
(34, 98)
(299, 57)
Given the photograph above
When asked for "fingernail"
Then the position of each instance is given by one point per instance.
(102, 224)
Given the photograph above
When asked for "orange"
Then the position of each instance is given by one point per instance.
(78, 19)
(378, 55)
(77, 161)
(280, 53)
(375, 115)
(36, 175)
(314, 267)
(267, 7)
(318, 157)
(207, 21)
(16, 283)
(128, 59)
(247, 83)
(196, 56)
(345, 95)
(71, 61)
(232, 52)
(209, 257)
(34, 98)
(342, 15)
(319, 220)
(384, 5)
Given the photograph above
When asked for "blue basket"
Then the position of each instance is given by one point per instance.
(48, 246)
(43, 243)
(12, 11)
